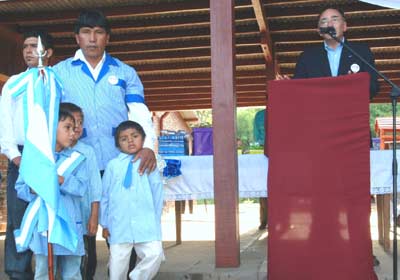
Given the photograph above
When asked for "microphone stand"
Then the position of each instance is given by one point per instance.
(394, 94)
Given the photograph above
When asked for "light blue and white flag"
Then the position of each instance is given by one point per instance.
(41, 91)
(395, 4)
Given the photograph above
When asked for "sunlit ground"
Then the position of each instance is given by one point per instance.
(374, 222)
(200, 224)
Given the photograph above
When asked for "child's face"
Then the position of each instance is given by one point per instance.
(130, 141)
(65, 133)
(78, 125)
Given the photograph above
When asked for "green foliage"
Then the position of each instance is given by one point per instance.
(256, 148)
(205, 118)
(244, 122)
(379, 110)
(244, 119)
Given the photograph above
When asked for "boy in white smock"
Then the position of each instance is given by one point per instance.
(91, 199)
(131, 208)
(71, 175)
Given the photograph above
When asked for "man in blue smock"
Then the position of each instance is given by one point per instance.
(109, 92)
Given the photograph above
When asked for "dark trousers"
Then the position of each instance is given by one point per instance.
(263, 211)
(16, 265)
(89, 260)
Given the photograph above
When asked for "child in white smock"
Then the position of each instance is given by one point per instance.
(131, 208)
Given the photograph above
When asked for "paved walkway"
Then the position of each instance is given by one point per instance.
(195, 259)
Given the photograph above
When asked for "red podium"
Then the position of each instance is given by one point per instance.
(319, 179)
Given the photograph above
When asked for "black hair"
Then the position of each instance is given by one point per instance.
(64, 113)
(46, 38)
(72, 108)
(92, 18)
(341, 12)
(126, 125)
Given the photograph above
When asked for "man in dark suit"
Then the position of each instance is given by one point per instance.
(331, 59)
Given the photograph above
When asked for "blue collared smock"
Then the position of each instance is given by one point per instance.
(133, 214)
(93, 181)
(103, 100)
(71, 191)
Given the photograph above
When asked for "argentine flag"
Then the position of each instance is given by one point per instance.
(395, 4)
(41, 91)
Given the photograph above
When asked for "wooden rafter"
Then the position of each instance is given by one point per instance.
(265, 36)
(168, 41)
(3, 78)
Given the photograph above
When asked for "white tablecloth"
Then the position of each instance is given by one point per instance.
(197, 181)
(381, 172)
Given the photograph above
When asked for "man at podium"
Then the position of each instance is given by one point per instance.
(331, 59)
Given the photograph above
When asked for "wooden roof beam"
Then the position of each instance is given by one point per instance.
(111, 10)
(3, 78)
(265, 36)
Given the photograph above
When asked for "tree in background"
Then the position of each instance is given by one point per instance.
(205, 117)
(380, 110)
(245, 118)
(244, 121)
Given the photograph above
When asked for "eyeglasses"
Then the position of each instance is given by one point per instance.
(325, 21)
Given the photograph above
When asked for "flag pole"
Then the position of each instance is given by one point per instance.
(40, 54)
(50, 260)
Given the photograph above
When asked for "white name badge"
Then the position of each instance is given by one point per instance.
(355, 68)
(113, 80)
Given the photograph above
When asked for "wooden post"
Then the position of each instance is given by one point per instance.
(50, 260)
(11, 60)
(227, 245)
(178, 222)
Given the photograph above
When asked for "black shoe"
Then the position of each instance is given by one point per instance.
(398, 221)
(376, 261)
(262, 226)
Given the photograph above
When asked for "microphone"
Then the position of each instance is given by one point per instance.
(328, 30)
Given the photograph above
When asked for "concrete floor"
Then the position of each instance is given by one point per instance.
(194, 258)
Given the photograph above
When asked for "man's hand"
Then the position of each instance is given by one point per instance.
(105, 233)
(92, 225)
(280, 77)
(60, 180)
(93, 219)
(148, 160)
(17, 161)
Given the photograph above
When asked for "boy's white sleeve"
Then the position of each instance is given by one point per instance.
(138, 112)
(157, 190)
(76, 183)
(23, 190)
(8, 139)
